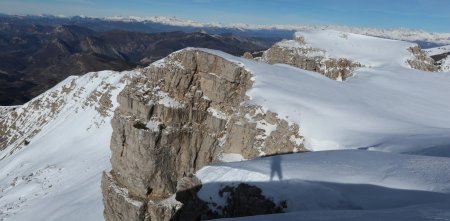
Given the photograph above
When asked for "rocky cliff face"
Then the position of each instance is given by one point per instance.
(182, 113)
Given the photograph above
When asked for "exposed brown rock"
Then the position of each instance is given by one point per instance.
(119, 205)
(247, 55)
(180, 114)
(298, 54)
(422, 61)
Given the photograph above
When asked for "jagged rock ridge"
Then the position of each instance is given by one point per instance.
(182, 113)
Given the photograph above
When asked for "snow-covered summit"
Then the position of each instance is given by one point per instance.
(389, 107)
(369, 51)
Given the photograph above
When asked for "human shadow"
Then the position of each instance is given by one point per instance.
(275, 168)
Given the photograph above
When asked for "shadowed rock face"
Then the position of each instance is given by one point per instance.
(180, 114)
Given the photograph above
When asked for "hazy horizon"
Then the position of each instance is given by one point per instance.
(428, 15)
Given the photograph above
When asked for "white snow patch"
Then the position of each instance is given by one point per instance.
(153, 125)
(231, 157)
(168, 101)
(217, 113)
(296, 140)
(267, 127)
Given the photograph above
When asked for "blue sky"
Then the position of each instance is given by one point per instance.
(430, 15)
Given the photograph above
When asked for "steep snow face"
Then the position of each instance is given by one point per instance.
(56, 174)
(388, 107)
(369, 51)
(336, 180)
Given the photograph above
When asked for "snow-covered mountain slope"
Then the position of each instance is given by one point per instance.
(6, 109)
(398, 34)
(55, 174)
(337, 54)
(339, 180)
(442, 56)
(438, 50)
(54, 148)
(445, 64)
(369, 51)
(387, 107)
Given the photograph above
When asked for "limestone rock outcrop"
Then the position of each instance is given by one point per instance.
(422, 61)
(298, 54)
(179, 114)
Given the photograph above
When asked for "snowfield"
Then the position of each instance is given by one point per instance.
(340, 180)
(57, 175)
(380, 141)
(387, 106)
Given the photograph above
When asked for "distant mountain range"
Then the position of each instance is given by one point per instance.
(38, 52)
(163, 24)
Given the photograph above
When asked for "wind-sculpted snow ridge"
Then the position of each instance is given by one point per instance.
(56, 149)
(387, 105)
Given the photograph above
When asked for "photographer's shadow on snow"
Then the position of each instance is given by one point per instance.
(275, 168)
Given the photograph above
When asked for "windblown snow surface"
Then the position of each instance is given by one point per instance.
(386, 107)
(401, 114)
